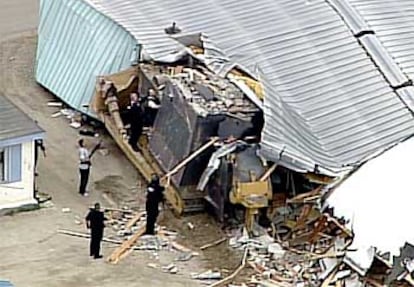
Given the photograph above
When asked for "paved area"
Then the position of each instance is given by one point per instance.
(31, 252)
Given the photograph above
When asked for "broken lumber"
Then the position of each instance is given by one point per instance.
(126, 245)
(234, 274)
(190, 158)
(307, 196)
(214, 243)
(54, 104)
(174, 244)
(117, 209)
(134, 220)
(339, 225)
(268, 172)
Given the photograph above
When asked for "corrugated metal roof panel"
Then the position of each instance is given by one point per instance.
(356, 23)
(326, 102)
(392, 22)
(76, 44)
(382, 58)
(407, 96)
(14, 123)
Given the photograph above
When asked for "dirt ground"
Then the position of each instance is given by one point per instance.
(32, 253)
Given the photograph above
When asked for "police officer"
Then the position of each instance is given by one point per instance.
(155, 195)
(95, 222)
(135, 119)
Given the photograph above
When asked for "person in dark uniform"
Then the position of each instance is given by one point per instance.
(155, 195)
(95, 222)
(112, 91)
(135, 120)
(38, 145)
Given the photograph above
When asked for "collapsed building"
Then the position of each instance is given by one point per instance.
(267, 100)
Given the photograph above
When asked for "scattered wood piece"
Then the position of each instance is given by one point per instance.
(162, 234)
(268, 173)
(134, 220)
(126, 245)
(180, 247)
(329, 254)
(304, 213)
(117, 209)
(214, 243)
(305, 196)
(330, 277)
(57, 114)
(339, 225)
(54, 104)
(234, 274)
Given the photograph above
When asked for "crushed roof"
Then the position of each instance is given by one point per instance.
(331, 98)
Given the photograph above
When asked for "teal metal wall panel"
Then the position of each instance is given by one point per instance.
(76, 44)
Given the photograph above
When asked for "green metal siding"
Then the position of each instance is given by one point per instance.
(76, 44)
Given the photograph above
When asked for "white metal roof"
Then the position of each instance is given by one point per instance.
(327, 104)
(393, 23)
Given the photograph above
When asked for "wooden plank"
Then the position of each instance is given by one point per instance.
(174, 244)
(126, 245)
(192, 156)
(268, 172)
(234, 274)
(214, 243)
(134, 220)
(339, 225)
(330, 277)
(303, 196)
(304, 213)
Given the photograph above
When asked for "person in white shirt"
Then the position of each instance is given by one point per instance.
(151, 106)
(84, 166)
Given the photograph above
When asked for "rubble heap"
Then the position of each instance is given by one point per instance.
(304, 247)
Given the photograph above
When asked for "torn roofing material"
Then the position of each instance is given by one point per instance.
(14, 123)
(327, 104)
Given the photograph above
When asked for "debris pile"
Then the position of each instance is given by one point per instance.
(75, 118)
(304, 247)
(129, 226)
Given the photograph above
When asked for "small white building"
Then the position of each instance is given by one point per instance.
(17, 156)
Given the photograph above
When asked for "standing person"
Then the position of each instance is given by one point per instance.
(95, 221)
(38, 145)
(135, 119)
(152, 105)
(84, 165)
(155, 195)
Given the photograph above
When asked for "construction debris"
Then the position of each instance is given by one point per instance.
(207, 275)
(309, 248)
(214, 243)
(54, 104)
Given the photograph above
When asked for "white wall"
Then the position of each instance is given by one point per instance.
(20, 193)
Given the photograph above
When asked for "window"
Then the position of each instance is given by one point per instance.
(11, 163)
